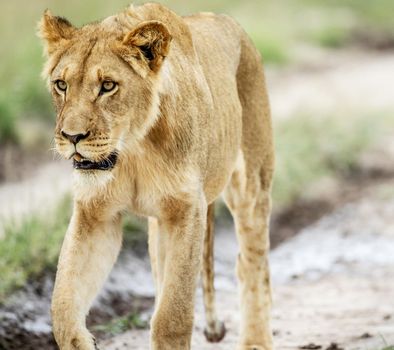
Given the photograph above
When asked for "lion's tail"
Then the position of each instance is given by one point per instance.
(214, 330)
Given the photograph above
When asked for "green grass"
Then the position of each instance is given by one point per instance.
(122, 324)
(30, 248)
(377, 14)
(331, 37)
(341, 20)
(134, 233)
(276, 28)
(8, 129)
(386, 346)
(310, 148)
(272, 49)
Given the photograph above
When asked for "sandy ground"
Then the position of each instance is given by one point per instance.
(332, 283)
(36, 195)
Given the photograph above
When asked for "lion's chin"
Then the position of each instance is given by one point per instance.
(89, 184)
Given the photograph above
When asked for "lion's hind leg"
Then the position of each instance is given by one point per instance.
(248, 197)
(215, 329)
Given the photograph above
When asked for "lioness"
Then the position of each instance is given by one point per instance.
(161, 114)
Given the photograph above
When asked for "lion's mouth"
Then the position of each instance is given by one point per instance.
(105, 164)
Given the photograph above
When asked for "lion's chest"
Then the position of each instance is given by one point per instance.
(150, 184)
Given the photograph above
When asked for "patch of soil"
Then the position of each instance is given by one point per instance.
(367, 38)
(25, 321)
(114, 306)
(305, 318)
(25, 317)
(310, 346)
(334, 346)
(16, 163)
(287, 222)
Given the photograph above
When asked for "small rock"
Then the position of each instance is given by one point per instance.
(365, 335)
(334, 346)
(310, 346)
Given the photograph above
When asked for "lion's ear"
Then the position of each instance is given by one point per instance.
(53, 30)
(152, 38)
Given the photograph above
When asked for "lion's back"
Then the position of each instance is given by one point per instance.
(216, 39)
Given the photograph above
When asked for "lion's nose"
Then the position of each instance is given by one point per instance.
(75, 138)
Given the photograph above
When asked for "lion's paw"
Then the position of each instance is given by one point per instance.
(216, 333)
(254, 347)
(84, 341)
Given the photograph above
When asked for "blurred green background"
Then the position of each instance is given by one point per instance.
(278, 29)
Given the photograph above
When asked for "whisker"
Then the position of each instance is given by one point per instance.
(95, 148)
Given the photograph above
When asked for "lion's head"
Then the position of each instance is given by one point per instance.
(104, 82)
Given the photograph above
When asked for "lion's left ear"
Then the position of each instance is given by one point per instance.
(153, 39)
(53, 30)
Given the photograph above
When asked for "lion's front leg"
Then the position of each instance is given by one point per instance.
(182, 226)
(88, 253)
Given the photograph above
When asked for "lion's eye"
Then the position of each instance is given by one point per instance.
(107, 86)
(61, 85)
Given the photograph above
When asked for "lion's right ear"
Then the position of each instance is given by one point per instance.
(53, 30)
(152, 40)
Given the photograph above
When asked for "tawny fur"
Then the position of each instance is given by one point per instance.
(190, 120)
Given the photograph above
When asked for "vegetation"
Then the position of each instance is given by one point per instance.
(32, 247)
(386, 346)
(122, 324)
(7, 123)
(370, 14)
(276, 27)
(29, 248)
(310, 148)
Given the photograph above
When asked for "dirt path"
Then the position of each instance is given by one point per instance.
(351, 315)
(37, 194)
(332, 283)
(334, 83)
